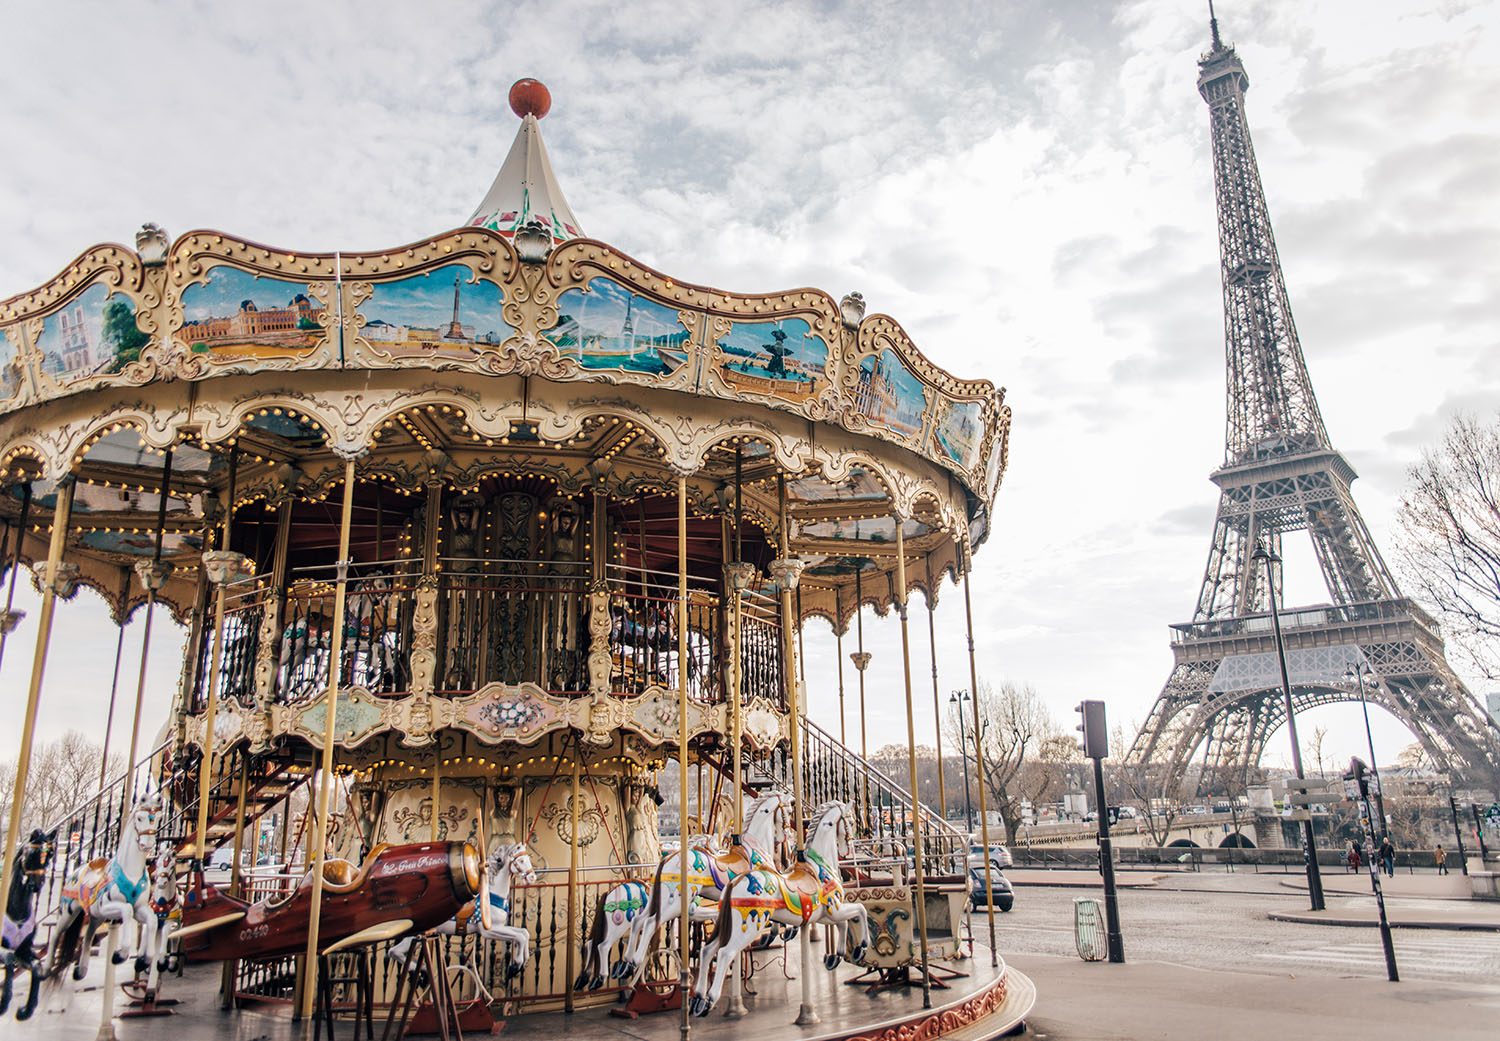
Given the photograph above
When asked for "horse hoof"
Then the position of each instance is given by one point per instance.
(581, 982)
(596, 982)
(142, 963)
(831, 961)
(24, 1013)
(617, 971)
(790, 934)
(118, 958)
(79, 972)
(512, 970)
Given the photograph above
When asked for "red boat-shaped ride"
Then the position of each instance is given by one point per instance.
(399, 889)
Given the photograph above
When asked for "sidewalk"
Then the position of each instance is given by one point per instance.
(1060, 878)
(1097, 1001)
(1420, 901)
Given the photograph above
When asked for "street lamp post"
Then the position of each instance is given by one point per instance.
(1356, 673)
(958, 698)
(1314, 878)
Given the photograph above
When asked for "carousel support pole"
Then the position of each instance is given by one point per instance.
(154, 577)
(221, 581)
(984, 823)
(10, 618)
(838, 639)
(60, 516)
(788, 573)
(107, 992)
(330, 716)
(437, 792)
(573, 904)
(682, 742)
(861, 659)
(937, 711)
(114, 689)
(911, 749)
(236, 875)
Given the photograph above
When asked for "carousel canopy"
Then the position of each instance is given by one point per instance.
(525, 189)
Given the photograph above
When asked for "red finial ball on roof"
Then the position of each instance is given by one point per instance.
(530, 97)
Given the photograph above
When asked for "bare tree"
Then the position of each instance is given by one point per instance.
(1147, 783)
(1316, 746)
(64, 775)
(1448, 546)
(1021, 750)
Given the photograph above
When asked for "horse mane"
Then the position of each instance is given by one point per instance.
(654, 910)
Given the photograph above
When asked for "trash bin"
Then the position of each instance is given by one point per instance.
(1088, 929)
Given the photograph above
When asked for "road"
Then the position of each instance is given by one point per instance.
(1220, 921)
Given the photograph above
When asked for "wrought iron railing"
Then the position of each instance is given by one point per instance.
(1295, 618)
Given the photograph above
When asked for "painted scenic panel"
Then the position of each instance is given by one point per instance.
(241, 315)
(10, 365)
(957, 430)
(447, 312)
(888, 394)
(606, 326)
(92, 334)
(784, 359)
(860, 486)
(868, 529)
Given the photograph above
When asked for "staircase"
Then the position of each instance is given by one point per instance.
(882, 807)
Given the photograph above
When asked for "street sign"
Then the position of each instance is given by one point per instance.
(1310, 784)
(1315, 799)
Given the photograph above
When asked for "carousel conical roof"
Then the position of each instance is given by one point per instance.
(526, 188)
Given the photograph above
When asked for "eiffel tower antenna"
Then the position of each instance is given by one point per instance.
(1281, 474)
(1213, 27)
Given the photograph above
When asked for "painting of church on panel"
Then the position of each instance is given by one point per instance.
(92, 334)
(447, 312)
(241, 315)
(606, 326)
(784, 359)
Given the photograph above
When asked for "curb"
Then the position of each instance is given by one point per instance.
(1462, 927)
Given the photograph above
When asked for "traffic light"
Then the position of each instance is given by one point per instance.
(1095, 730)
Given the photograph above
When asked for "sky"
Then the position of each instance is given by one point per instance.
(1026, 187)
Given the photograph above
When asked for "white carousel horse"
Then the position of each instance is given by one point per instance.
(811, 893)
(709, 872)
(18, 933)
(113, 890)
(617, 909)
(166, 905)
(489, 913)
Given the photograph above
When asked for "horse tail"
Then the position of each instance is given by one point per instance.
(654, 907)
(722, 924)
(596, 934)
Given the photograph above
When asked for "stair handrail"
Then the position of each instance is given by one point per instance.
(108, 789)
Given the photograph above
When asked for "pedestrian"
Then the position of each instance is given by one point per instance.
(1353, 855)
(1440, 858)
(1388, 856)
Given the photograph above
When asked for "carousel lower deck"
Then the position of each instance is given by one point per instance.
(977, 1002)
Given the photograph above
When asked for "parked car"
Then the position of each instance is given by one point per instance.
(1001, 893)
(999, 856)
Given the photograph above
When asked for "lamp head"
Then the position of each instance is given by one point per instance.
(1262, 553)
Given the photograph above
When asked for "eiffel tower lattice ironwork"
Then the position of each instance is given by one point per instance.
(1281, 474)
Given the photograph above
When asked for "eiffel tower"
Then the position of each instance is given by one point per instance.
(1281, 474)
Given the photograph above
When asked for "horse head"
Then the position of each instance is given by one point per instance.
(143, 821)
(519, 861)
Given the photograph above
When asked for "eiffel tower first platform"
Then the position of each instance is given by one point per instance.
(1282, 474)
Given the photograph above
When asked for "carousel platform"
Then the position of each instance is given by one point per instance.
(985, 1003)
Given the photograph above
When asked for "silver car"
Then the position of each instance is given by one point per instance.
(1000, 857)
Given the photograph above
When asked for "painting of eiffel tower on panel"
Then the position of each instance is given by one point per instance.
(1282, 475)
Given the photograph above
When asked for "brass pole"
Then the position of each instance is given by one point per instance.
(330, 717)
(682, 743)
(911, 749)
(61, 513)
(937, 711)
(140, 683)
(862, 661)
(114, 689)
(984, 823)
(236, 877)
(838, 637)
(206, 760)
(437, 791)
(573, 908)
(790, 573)
(15, 567)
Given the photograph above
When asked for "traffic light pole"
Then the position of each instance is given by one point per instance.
(1107, 869)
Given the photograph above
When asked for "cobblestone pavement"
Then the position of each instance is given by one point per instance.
(1219, 921)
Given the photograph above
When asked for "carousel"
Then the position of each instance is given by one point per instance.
(494, 553)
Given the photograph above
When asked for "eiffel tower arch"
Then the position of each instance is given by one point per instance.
(1282, 475)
